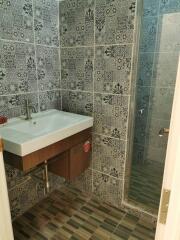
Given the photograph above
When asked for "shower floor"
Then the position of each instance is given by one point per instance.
(145, 185)
(69, 214)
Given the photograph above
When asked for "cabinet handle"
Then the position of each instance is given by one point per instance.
(87, 146)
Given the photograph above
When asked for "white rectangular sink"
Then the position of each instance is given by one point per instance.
(23, 137)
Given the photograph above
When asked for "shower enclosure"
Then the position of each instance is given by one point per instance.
(152, 94)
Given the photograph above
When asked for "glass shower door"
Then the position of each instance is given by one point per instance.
(154, 90)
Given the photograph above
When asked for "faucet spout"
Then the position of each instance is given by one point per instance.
(28, 109)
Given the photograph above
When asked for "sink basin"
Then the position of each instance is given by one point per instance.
(23, 137)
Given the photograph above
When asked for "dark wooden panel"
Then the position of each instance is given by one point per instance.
(33, 159)
(59, 165)
(1, 145)
(78, 160)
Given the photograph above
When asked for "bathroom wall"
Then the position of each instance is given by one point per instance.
(29, 67)
(96, 42)
(158, 59)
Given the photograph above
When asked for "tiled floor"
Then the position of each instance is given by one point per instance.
(69, 214)
(145, 185)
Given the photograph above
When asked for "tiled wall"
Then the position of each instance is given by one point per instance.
(29, 67)
(158, 59)
(96, 42)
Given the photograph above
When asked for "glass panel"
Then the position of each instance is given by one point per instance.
(154, 90)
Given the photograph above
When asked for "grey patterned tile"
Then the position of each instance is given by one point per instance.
(77, 102)
(161, 100)
(110, 115)
(48, 67)
(145, 69)
(114, 21)
(109, 155)
(23, 197)
(14, 105)
(165, 70)
(148, 34)
(77, 68)
(13, 176)
(112, 69)
(16, 18)
(84, 182)
(17, 68)
(107, 189)
(50, 100)
(151, 8)
(169, 6)
(77, 23)
(168, 33)
(46, 22)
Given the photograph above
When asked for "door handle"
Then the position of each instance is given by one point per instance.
(163, 131)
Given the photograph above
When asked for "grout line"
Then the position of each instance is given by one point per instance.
(94, 45)
(95, 170)
(94, 92)
(59, 49)
(30, 43)
(36, 61)
(100, 134)
(32, 92)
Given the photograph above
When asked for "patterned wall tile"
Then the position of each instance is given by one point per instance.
(50, 100)
(48, 63)
(148, 34)
(151, 8)
(169, 6)
(107, 189)
(14, 105)
(145, 69)
(17, 68)
(77, 102)
(168, 33)
(77, 23)
(22, 197)
(109, 155)
(165, 69)
(46, 22)
(84, 181)
(114, 21)
(110, 115)
(77, 68)
(13, 176)
(16, 20)
(112, 69)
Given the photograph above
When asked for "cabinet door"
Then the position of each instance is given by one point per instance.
(79, 160)
(59, 165)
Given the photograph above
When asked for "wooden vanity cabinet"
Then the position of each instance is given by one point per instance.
(65, 158)
(71, 163)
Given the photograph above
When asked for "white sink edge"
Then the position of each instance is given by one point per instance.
(46, 140)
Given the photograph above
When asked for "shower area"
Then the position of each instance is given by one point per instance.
(151, 99)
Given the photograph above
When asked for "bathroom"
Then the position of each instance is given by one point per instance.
(89, 97)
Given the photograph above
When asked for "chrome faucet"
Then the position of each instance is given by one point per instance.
(28, 109)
